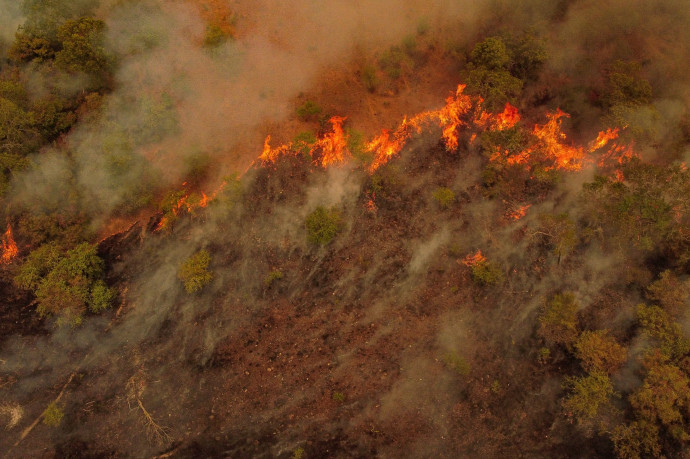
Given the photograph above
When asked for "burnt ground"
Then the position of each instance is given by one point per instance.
(352, 353)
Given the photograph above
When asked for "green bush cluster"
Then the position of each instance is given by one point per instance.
(486, 273)
(194, 273)
(323, 225)
(444, 197)
(66, 283)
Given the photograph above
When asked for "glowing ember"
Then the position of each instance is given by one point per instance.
(472, 260)
(333, 145)
(517, 214)
(9, 247)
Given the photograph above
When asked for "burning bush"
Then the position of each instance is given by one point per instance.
(194, 271)
(323, 225)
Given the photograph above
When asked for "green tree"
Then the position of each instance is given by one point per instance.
(588, 395)
(656, 324)
(323, 225)
(194, 273)
(664, 398)
(669, 292)
(66, 283)
(598, 351)
(558, 319)
(559, 231)
(488, 75)
(82, 46)
(444, 196)
(528, 56)
(636, 439)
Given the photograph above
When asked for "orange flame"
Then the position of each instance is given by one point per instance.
(269, 155)
(388, 144)
(551, 143)
(508, 118)
(518, 213)
(472, 260)
(603, 138)
(333, 145)
(9, 247)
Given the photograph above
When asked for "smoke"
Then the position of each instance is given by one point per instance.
(175, 101)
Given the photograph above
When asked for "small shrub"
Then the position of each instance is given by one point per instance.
(339, 397)
(194, 271)
(214, 36)
(53, 414)
(486, 273)
(298, 453)
(544, 355)
(272, 277)
(323, 225)
(457, 363)
(444, 196)
(309, 110)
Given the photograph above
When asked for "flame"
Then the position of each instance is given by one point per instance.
(518, 213)
(507, 118)
(9, 247)
(603, 138)
(333, 145)
(551, 142)
(269, 155)
(472, 260)
(388, 144)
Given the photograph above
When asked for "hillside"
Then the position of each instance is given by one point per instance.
(462, 234)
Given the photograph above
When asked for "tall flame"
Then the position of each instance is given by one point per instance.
(552, 144)
(388, 144)
(508, 118)
(9, 247)
(603, 138)
(333, 145)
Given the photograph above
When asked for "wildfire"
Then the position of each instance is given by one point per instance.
(518, 213)
(333, 145)
(389, 144)
(188, 202)
(269, 155)
(551, 143)
(472, 260)
(9, 247)
(603, 138)
(508, 118)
